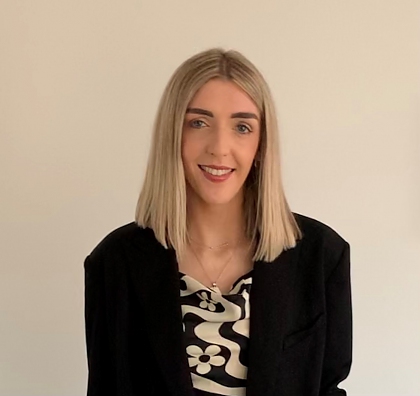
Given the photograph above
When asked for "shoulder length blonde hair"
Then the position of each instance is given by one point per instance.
(162, 202)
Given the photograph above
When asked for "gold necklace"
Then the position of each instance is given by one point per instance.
(214, 286)
(209, 247)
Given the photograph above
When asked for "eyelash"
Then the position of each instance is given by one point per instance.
(247, 127)
(193, 125)
(195, 121)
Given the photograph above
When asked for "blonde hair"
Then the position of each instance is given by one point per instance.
(162, 202)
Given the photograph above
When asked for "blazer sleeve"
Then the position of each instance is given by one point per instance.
(338, 347)
(100, 367)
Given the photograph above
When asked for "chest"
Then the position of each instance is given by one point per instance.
(216, 268)
(216, 332)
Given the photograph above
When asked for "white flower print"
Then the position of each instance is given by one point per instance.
(207, 302)
(204, 360)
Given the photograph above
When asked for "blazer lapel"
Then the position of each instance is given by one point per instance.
(271, 291)
(156, 280)
(154, 271)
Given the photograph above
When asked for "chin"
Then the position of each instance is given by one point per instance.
(213, 195)
(218, 199)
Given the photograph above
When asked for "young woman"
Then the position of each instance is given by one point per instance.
(217, 288)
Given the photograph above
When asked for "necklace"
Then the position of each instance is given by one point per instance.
(209, 247)
(214, 286)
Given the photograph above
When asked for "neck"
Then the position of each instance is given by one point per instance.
(213, 225)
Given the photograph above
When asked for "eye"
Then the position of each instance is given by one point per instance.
(243, 128)
(197, 124)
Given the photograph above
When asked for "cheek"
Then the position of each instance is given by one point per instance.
(188, 158)
(252, 149)
(256, 145)
(190, 150)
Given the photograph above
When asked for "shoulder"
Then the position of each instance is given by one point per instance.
(313, 228)
(120, 242)
(318, 235)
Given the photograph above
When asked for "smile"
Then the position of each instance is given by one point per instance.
(216, 172)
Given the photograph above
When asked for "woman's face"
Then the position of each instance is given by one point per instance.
(221, 129)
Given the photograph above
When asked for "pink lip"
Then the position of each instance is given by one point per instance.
(217, 167)
(216, 179)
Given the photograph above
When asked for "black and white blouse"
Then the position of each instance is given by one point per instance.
(216, 331)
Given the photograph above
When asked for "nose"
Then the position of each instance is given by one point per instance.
(219, 141)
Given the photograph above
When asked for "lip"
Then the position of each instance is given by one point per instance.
(217, 179)
(217, 167)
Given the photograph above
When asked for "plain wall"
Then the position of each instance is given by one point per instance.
(79, 87)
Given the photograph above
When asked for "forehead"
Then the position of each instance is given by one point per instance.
(222, 95)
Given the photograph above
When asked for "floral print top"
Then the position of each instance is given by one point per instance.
(216, 331)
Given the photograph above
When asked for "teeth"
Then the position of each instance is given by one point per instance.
(216, 172)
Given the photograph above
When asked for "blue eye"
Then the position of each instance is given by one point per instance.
(197, 123)
(242, 128)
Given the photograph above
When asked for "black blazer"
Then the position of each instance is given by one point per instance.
(300, 327)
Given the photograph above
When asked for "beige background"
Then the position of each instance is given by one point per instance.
(79, 86)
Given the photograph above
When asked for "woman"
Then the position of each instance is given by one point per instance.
(217, 288)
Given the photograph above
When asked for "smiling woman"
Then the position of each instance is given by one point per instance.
(218, 288)
(219, 142)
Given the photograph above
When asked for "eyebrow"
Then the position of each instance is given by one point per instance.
(240, 114)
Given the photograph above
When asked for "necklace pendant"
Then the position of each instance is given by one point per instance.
(214, 288)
